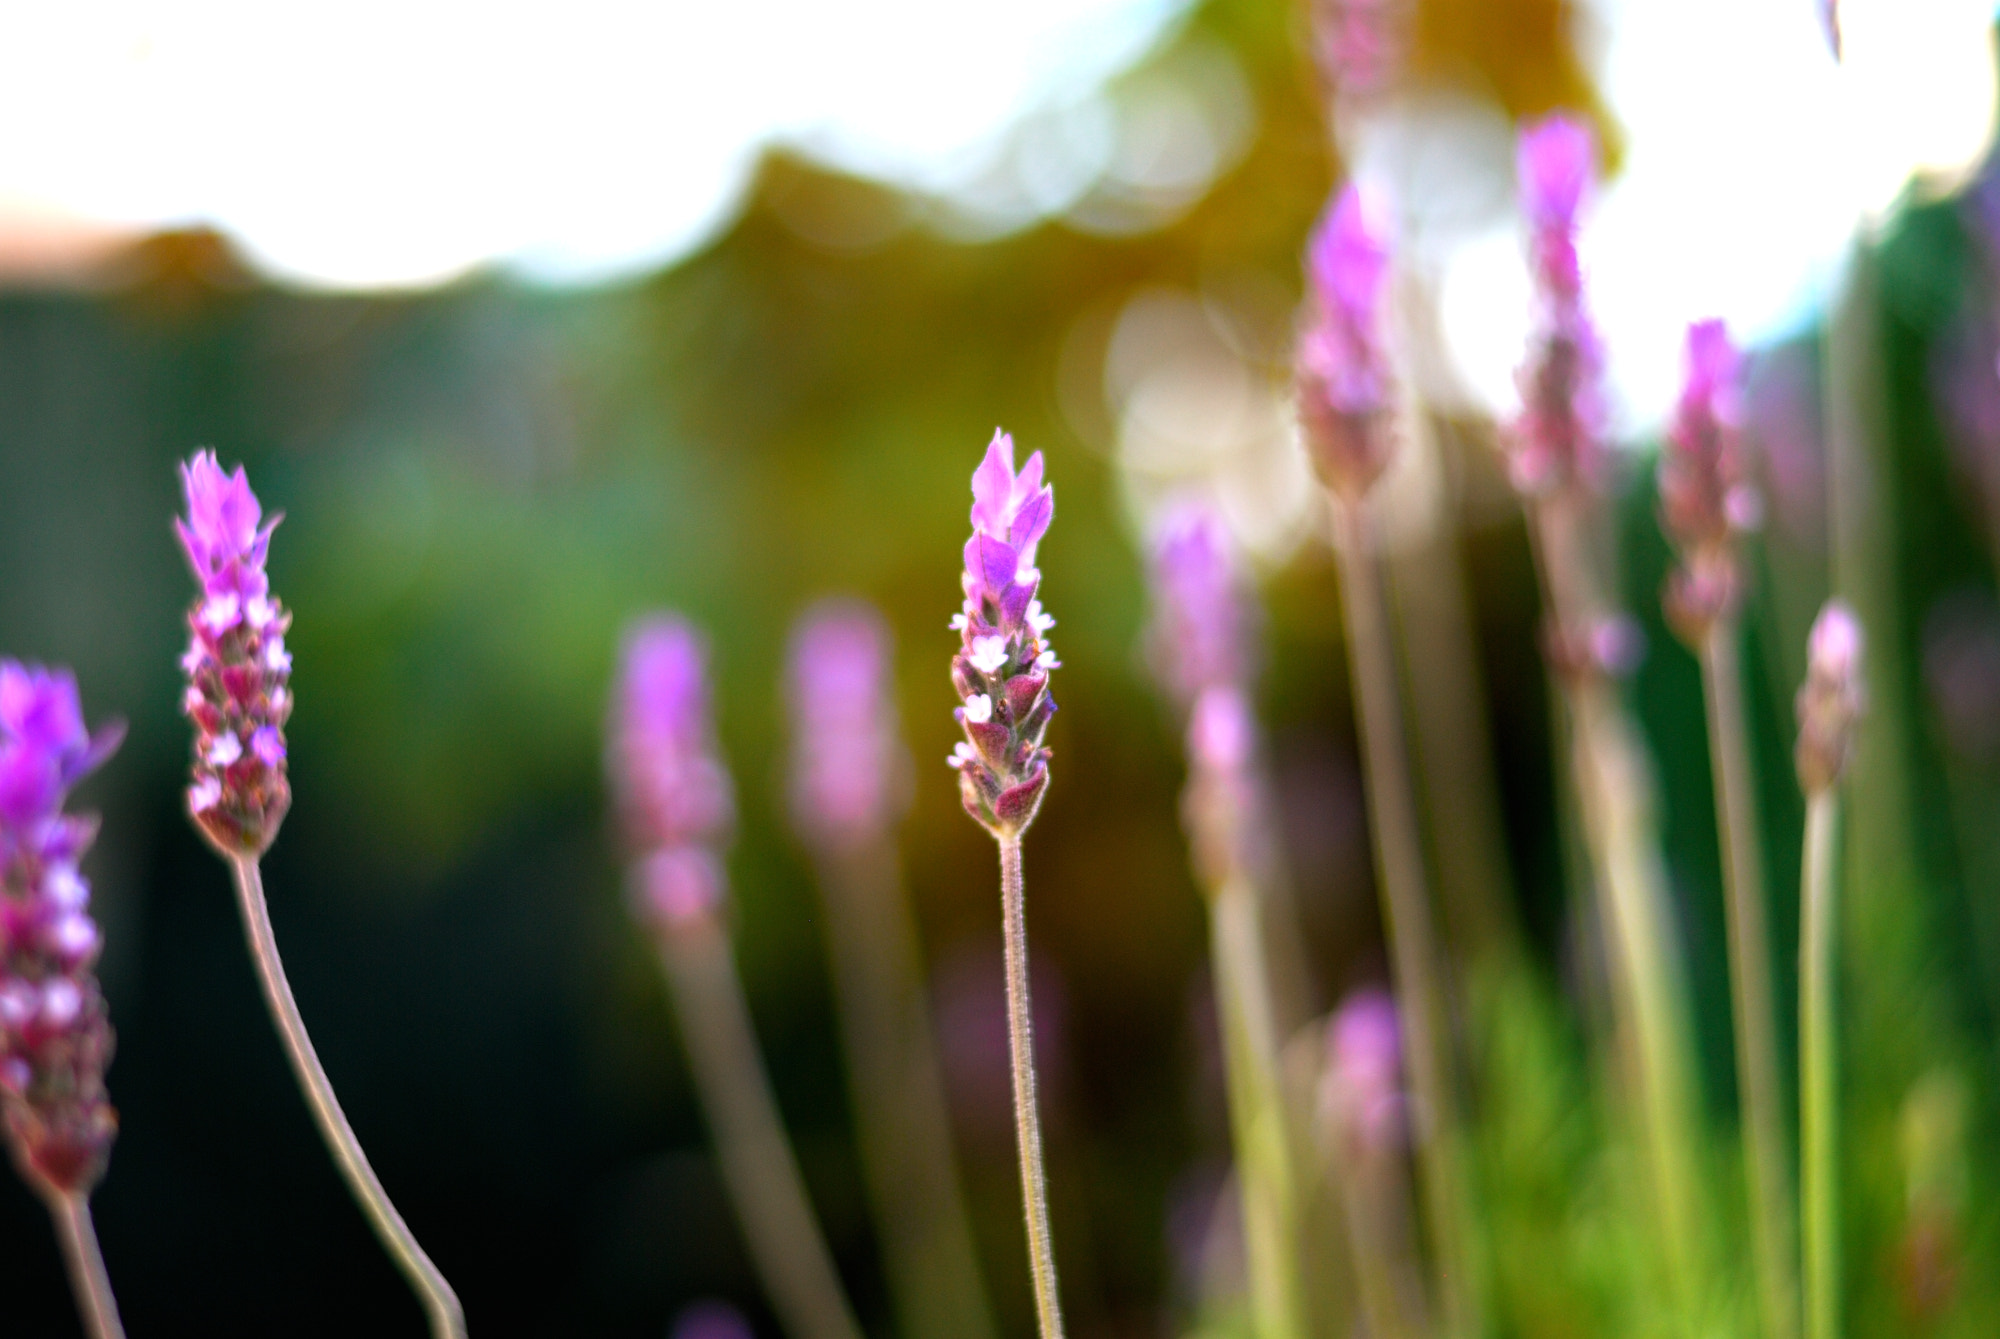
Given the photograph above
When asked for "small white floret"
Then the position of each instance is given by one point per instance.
(979, 709)
(958, 623)
(988, 653)
(226, 749)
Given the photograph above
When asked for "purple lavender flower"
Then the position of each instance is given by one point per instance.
(1556, 439)
(1364, 1074)
(1342, 373)
(1360, 44)
(1706, 501)
(849, 772)
(55, 1037)
(238, 670)
(1002, 669)
(1831, 700)
(673, 792)
(1199, 638)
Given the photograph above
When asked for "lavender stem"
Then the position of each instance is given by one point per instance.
(87, 1276)
(1819, 1087)
(1408, 919)
(757, 1160)
(1027, 1117)
(1753, 1000)
(447, 1319)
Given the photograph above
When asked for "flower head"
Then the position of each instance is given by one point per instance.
(1199, 637)
(55, 1039)
(1363, 1084)
(1360, 44)
(849, 771)
(1831, 700)
(1002, 669)
(1342, 371)
(239, 672)
(1706, 500)
(673, 792)
(1555, 442)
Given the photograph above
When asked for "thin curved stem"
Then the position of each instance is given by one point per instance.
(447, 1319)
(87, 1276)
(757, 1160)
(1027, 1115)
(1755, 1003)
(1819, 1086)
(1407, 916)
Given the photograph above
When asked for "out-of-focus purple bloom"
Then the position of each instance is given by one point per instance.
(55, 1037)
(1360, 45)
(239, 672)
(1363, 1087)
(1831, 700)
(1002, 668)
(1199, 638)
(712, 1320)
(1705, 499)
(674, 795)
(850, 774)
(1343, 375)
(1556, 439)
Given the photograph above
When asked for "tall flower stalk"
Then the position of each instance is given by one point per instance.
(850, 787)
(1001, 673)
(55, 1035)
(238, 698)
(1555, 460)
(1829, 705)
(1345, 403)
(1705, 505)
(1200, 647)
(677, 805)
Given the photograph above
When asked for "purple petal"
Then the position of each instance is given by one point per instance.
(1031, 522)
(1557, 159)
(1349, 255)
(998, 561)
(993, 486)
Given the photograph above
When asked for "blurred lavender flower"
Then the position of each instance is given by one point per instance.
(1002, 669)
(1832, 698)
(1199, 637)
(55, 1037)
(1343, 375)
(1556, 439)
(1360, 45)
(850, 774)
(673, 792)
(1363, 1085)
(712, 1320)
(1706, 502)
(238, 670)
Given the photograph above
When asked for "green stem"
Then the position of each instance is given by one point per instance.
(1407, 917)
(1819, 1084)
(898, 1097)
(88, 1278)
(1257, 1114)
(1027, 1115)
(757, 1161)
(1767, 1162)
(447, 1320)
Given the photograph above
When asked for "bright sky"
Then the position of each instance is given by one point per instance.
(389, 142)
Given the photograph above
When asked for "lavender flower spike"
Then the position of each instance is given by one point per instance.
(1556, 439)
(239, 697)
(1343, 376)
(55, 1038)
(850, 774)
(1199, 638)
(238, 670)
(1831, 700)
(1002, 671)
(677, 805)
(1706, 502)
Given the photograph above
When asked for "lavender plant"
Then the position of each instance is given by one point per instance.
(1001, 673)
(1365, 1118)
(238, 698)
(1344, 401)
(1706, 504)
(1201, 654)
(55, 1033)
(850, 786)
(1555, 459)
(678, 807)
(1830, 703)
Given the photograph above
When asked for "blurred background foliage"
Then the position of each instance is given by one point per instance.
(484, 483)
